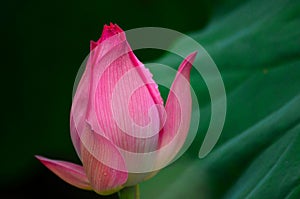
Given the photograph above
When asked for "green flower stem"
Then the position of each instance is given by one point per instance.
(130, 192)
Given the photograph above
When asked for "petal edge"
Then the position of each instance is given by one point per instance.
(104, 165)
(69, 172)
(178, 108)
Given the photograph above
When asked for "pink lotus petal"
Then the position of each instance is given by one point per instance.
(108, 31)
(104, 165)
(124, 98)
(69, 172)
(83, 97)
(178, 109)
(79, 107)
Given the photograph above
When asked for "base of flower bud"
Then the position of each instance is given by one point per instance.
(109, 192)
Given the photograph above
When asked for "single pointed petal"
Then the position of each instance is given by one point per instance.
(105, 167)
(69, 172)
(82, 98)
(124, 96)
(178, 109)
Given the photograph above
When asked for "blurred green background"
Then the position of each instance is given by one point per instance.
(255, 44)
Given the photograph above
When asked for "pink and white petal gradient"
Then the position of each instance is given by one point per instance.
(178, 109)
(117, 111)
(95, 151)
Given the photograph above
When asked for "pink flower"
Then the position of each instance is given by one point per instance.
(118, 118)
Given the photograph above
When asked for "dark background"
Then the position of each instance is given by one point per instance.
(255, 45)
(44, 43)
